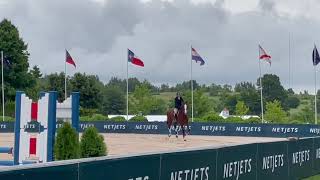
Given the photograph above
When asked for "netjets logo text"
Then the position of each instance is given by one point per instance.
(146, 127)
(300, 157)
(114, 127)
(85, 126)
(3, 126)
(284, 130)
(273, 162)
(191, 174)
(248, 129)
(314, 130)
(237, 168)
(213, 128)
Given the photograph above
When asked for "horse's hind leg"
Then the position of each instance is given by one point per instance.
(176, 128)
(169, 129)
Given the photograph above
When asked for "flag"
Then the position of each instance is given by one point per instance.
(264, 56)
(69, 59)
(196, 57)
(315, 56)
(134, 59)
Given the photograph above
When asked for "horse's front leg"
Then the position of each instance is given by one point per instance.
(184, 133)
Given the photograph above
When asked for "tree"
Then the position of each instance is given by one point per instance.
(305, 115)
(214, 89)
(272, 89)
(164, 88)
(55, 82)
(230, 102)
(67, 143)
(187, 85)
(274, 112)
(201, 103)
(36, 73)
(92, 144)
(16, 76)
(143, 102)
(292, 102)
(250, 96)
(90, 89)
(241, 108)
(290, 91)
(114, 101)
(244, 86)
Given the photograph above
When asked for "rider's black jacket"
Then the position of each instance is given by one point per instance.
(178, 102)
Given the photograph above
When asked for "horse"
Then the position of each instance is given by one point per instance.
(182, 120)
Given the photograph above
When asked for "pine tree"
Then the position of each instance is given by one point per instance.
(67, 143)
(92, 144)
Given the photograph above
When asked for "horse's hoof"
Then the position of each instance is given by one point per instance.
(177, 136)
(185, 139)
(169, 135)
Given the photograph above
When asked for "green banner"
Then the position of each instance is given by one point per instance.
(237, 162)
(200, 165)
(132, 168)
(300, 159)
(272, 161)
(60, 172)
(316, 155)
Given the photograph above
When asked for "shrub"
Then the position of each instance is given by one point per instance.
(7, 119)
(235, 120)
(212, 117)
(94, 117)
(138, 118)
(92, 144)
(197, 120)
(10, 108)
(85, 118)
(253, 120)
(99, 117)
(118, 119)
(67, 143)
(88, 112)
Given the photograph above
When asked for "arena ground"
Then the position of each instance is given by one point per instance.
(126, 144)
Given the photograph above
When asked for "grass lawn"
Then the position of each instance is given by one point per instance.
(317, 177)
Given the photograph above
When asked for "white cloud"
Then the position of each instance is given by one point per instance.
(225, 33)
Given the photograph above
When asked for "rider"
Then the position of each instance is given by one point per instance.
(178, 103)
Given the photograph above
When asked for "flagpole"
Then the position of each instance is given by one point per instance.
(191, 89)
(127, 90)
(315, 88)
(2, 84)
(261, 100)
(289, 61)
(289, 58)
(65, 79)
(315, 96)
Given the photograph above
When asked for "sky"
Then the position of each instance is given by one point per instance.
(226, 33)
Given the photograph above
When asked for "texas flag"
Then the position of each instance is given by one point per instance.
(134, 59)
(196, 57)
(264, 56)
(69, 59)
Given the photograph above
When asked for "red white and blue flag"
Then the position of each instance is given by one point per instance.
(69, 59)
(134, 59)
(264, 56)
(196, 57)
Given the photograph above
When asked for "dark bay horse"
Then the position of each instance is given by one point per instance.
(182, 120)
